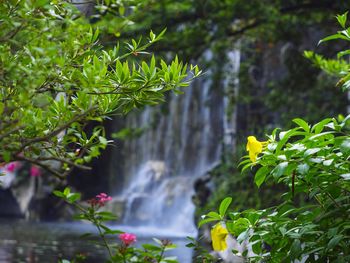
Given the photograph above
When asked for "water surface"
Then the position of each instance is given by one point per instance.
(48, 242)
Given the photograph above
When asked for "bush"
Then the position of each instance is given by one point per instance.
(311, 222)
(55, 77)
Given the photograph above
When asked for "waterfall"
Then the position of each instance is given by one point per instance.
(181, 141)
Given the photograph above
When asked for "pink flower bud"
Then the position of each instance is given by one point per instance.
(100, 200)
(103, 198)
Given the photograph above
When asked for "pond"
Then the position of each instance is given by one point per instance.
(22, 241)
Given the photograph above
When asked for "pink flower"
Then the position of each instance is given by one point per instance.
(100, 200)
(103, 198)
(13, 166)
(127, 238)
(35, 171)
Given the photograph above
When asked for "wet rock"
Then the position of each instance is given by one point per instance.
(8, 205)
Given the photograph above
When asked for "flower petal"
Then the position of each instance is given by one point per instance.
(218, 236)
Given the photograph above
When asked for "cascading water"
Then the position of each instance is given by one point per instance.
(182, 140)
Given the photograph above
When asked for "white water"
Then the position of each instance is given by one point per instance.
(178, 147)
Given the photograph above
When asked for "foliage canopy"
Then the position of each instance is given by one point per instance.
(56, 76)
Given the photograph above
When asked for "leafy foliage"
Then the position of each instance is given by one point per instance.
(123, 252)
(55, 76)
(312, 162)
(339, 66)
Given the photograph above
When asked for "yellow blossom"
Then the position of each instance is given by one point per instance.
(218, 237)
(254, 147)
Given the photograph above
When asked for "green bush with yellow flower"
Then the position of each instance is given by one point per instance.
(311, 161)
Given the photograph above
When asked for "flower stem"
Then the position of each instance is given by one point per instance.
(93, 220)
(161, 255)
(103, 238)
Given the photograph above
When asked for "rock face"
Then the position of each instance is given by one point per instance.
(29, 197)
(9, 206)
(16, 192)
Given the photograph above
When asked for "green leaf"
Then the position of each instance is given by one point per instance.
(58, 194)
(303, 124)
(343, 53)
(327, 134)
(342, 19)
(261, 175)
(66, 191)
(256, 247)
(238, 226)
(213, 215)
(243, 236)
(345, 147)
(72, 197)
(334, 241)
(170, 259)
(151, 247)
(190, 245)
(106, 216)
(279, 169)
(284, 137)
(303, 168)
(152, 36)
(346, 176)
(328, 162)
(311, 151)
(252, 215)
(158, 241)
(206, 220)
(318, 127)
(103, 140)
(6, 156)
(295, 249)
(1, 107)
(245, 167)
(224, 205)
(332, 37)
(121, 10)
(80, 217)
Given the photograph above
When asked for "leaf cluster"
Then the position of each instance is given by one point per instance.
(117, 252)
(56, 76)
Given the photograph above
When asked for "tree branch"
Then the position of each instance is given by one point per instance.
(10, 132)
(62, 160)
(38, 163)
(57, 131)
(11, 34)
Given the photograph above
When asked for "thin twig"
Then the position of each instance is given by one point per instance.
(103, 238)
(55, 132)
(161, 255)
(10, 132)
(11, 34)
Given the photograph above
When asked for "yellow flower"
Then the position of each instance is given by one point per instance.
(218, 237)
(254, 147)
